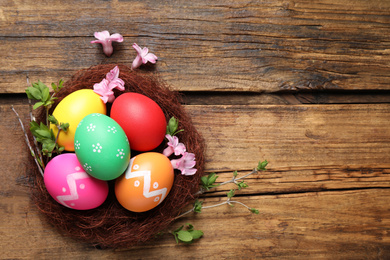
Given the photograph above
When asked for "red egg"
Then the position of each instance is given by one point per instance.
(141, 118)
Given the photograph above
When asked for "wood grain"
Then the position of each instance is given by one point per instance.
(303, 84)
(224, 45)
(325, 194)
(325, 225)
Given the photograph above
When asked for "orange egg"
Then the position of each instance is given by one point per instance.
(146, 182)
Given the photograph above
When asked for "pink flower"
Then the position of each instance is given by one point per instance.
(114, 80)
(174, 146)
(185, 164)
(105, 87)
(106, 94)
(143, 56)
(106, 40)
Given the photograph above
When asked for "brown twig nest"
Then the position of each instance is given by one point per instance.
(111, 225)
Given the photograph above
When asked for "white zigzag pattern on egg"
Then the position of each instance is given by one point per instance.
(147, 181)
(71, 180)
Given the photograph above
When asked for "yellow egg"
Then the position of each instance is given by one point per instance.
(72, 109)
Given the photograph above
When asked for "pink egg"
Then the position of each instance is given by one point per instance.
(71, 186)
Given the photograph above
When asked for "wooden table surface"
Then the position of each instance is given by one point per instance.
(303, 84)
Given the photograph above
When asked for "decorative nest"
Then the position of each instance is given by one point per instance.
(111, 225)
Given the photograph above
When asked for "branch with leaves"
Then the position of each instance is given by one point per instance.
(187, 235)
(208, 182)
(42, 134)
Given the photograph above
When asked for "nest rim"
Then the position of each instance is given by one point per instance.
(110, 225)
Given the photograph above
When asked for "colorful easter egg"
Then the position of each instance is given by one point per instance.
(72, 109)
(142, 120)
(68, 183)
(102, 147)
(146, 183)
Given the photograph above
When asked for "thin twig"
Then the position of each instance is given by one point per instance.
(185, 213)
(213, 206)
(28, 141)
(32, 118)
(234, 179)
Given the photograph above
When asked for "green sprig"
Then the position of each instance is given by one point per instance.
(41, 132)
(46, 137)
(198, 206)
(261, 166)
(207, 181)
(172, 126)
(41, 93)
(187, 235)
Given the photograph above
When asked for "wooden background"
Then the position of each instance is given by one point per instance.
(304, 84)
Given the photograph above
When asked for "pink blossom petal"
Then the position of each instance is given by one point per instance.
(102, 35)
(151, 58)
(106, 40)
(168, 151)
(137, 48)
(143, 56)
(136, 62)
(176, 163)
(185, 164)
(116, 37)
(180, 149)
(189, 171)
(118, 84)
(102, 89)
(113, 74)
(174, 145)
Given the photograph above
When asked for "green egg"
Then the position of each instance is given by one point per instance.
(101, 146)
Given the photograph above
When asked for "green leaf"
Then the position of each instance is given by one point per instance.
(184, 236)
(204, 180)
(39, 85)
(196, 234)
(242, 185)
(58, 87)
(235, 173)
(212, 178)
(190, 227)
(34, 93)
(64, 126)
(38, 104)
(43, 126)
(33, 124)
(48, 147)
(180, 228)
(208, 181)
(43, 133)
(172, 126)
(29, 96)
(255, 211)
(49, 102)
(198, 206)
(54, 87)
(230, 194)
(45, 94)
(60, 84)
(188, 235)
(261, 166)
(52, 120)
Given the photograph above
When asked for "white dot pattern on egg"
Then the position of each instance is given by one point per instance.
(102, 147)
